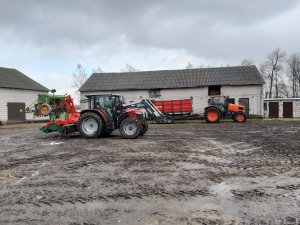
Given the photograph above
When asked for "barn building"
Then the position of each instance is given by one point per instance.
(17, 91)
(244, 85)
(282, 108)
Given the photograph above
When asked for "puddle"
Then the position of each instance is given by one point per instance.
(222, 190)
(35, 173)
(53, 143)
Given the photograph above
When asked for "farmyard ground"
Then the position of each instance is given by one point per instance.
(194, 173)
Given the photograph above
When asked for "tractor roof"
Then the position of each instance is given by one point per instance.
(166, 79)
(12, 78)
(113, 95)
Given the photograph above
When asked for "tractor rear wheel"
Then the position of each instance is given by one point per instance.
(130, 128)
(90, 125)
(144, 128)
(212, 115)
(240, 117)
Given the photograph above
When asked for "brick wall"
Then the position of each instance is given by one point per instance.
(15, 95)
(200, 96)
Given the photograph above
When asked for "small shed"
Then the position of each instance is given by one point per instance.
(282, 108)
(17, 91)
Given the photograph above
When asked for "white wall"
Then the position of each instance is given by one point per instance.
(16, 95)
(200, 96)
(296, 106)
(253, 92)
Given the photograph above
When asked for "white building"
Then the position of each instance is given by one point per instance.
(17, 91)
(282, 108)
(243, 84)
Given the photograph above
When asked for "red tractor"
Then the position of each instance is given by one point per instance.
(105, 114)
(219, 107)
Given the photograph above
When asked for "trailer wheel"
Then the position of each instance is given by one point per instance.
(170, 119)
(130, 128)
(90, 125)
(239, 117)
(212, 115)
(144, 128)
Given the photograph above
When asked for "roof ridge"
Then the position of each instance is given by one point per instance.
(172, 70)
(164, 79)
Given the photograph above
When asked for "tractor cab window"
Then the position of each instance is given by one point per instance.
(216, 101)
(119, 101)
(103, 102)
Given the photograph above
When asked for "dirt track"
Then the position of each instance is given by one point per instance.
(198, 173)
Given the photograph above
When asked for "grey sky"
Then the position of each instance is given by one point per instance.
(46, 39)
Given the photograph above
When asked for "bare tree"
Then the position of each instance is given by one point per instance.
(293, 64)
(129, 68)
(98, 70)
(189, 66)
(79, 76)
(247, 62)
(283, 89)
(271, 69)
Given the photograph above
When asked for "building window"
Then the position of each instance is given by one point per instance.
(155, 93)
(214, 90)
(265, 106)
(231, 100)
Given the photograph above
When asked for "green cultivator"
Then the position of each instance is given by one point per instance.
(60, 109)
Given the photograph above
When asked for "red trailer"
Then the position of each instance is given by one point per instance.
(178, 107)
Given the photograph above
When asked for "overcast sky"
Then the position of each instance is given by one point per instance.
(46, 39)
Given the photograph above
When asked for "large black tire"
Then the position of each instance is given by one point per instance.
(130, 128)
(170, 119)
(144, 128)
(90, 125)
(240, 117)
(216, 115)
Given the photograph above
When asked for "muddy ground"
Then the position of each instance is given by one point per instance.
(194, 173)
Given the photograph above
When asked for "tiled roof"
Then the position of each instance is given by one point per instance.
(165, 79)
(12, 78)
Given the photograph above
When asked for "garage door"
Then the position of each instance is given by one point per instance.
(287, 109)
(273, 110)
(16, 113)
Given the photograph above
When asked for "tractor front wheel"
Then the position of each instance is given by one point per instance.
(240, 117)
(130, 128)
(144, 128)
(90, 125)
(212, 115)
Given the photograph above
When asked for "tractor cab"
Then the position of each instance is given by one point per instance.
(219, 101)
(108, 103)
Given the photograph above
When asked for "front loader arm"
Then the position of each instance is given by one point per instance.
(151, 110)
